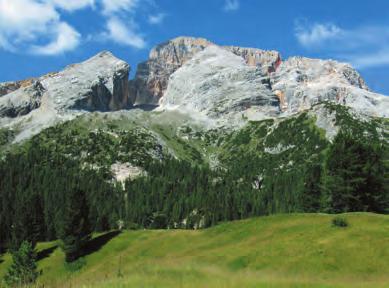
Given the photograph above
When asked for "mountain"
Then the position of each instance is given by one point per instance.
(100, 83)
(220, 86)
(202, 134)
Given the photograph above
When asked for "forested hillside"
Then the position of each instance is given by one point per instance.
(189, 178)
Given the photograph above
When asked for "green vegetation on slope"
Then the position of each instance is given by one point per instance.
(274, 251)
(266, 167)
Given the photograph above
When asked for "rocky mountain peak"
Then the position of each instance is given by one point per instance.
(225, 84)
(97, 84)
(152, 77)
(178, 50)
(219, 84)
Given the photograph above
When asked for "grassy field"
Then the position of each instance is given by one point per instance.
(275, 251)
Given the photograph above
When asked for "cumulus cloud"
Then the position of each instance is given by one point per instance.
(71, 5)
(37, 26)
(120, 24)
(156, 19)
(231, 5)
(121, 33)
(115, 6)
(317, 34)
(66, 38)
(24, 20)
(363, 46)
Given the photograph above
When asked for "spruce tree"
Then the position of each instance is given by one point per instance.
(75, 230)
(354, 176)
(23, 270)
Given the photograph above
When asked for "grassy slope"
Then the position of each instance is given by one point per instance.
(275, 251)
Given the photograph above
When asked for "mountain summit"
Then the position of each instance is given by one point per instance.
(192, 75)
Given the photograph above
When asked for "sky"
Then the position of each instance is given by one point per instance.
(41, 36)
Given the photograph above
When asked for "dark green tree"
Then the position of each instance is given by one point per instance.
(354, 175)
(23, 270)
(75, 229)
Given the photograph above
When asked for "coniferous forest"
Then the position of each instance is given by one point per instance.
(47, 194)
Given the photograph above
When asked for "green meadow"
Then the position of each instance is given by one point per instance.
(297, 250)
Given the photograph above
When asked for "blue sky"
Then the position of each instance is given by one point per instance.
(40, 36)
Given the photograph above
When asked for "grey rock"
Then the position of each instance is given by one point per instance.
(98, 84)
(9, 87)
(217, 83)
(266, 61)
(152, 77)
(301, 82)
(21, 101)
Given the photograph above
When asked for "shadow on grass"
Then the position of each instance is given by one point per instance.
(97, 243)
(45, 253)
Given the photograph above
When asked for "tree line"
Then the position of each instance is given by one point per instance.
(46, 195)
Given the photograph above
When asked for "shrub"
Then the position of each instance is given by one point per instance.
(75, 265)
(339, 222)
(23, 270)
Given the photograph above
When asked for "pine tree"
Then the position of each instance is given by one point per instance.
(75, 230)
(354, 175)
(23, 269)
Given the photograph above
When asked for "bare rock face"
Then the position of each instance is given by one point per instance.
(301, 82)
(219, 84)
(21, 101)
(100, 83)
(152, 77)
(267, 61)
(97, 84)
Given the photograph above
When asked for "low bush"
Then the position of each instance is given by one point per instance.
(339, 222)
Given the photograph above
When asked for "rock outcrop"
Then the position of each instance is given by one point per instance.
(152, 77)
(266, 61)
(301, 82)
(297, 83)
(98, 84)
(22, 101)
(219, 84)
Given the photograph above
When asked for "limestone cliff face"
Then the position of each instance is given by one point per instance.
(301, 82)
(267, 61)
(22, 101)
(225, 84)
(9, 87)
(98, 84)
(152, 76)
(220, 85)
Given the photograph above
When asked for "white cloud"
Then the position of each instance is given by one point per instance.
(316, 34)
(24, 23)
(156, 19)
(71, 5)
(363, 46)
(24, 20)
(36, 26)
(115, 6)
(367, 60)
(231, 5)
(66, 38)
(123, 34)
